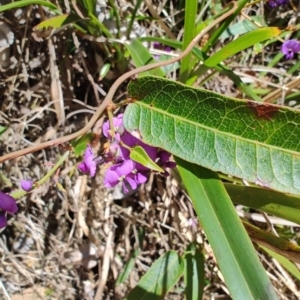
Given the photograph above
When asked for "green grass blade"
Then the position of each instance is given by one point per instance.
(277, 204)
(217, 33)
(235, 254)
(142, 57)
(287, 264)
(189, 33)
(245, 41)
(202, 57)
(22, 3)
(245, 139)
(193, 272)
(159, 279)
(277, 244)
(133, 15)
(128, 268)
(58, 22)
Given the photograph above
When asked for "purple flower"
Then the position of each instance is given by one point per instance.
(118, 127)
(7, 205)
(289, 48)
(124, 172)
(26, 185)
(124, 169)
(275, 3)
(89, 163)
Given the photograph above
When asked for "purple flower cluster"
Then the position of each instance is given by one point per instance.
(275, 3)
(289, 48)
(7, 205)
(122, 168)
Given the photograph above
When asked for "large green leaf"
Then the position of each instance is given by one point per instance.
(236, 257)
(159, 279)
(246, 139)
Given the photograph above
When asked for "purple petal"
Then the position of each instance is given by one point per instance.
(164, 156)
(118, 127)
(8, 203)
(3, 221)
(289, 48)
(26, 185)
(111, 178)
(83, 167)
(132, 184)
(140, 178)
(88, 153)
(89, 164)
(117, 173)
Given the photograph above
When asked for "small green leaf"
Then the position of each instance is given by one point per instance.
(57, 22)
(159, 279)
(142, 57)
(139, 155)
(104, 70)
(2, 129)
(80, 144)
(245, 41)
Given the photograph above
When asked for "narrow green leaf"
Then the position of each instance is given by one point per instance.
(2, 129)
(18, 4)
(287, 264)
(80, 144)
(245, 41)
(243, 27)
(216, 34)
(133, 17)
(127, 268)
(202, 57)
(142, 57)
(190, 13)
(235, 254)
(193, 272)
(159, 279)
(57, 22)
(139, 155)
(277, 204)
(279, 245)
(130, 264)
(253, 141)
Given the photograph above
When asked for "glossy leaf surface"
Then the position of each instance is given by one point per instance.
(256, 142)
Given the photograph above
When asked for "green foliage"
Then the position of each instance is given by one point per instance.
(139, 155)
(159, 279)
(194, 272)
(241, 138)
(238, 262)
